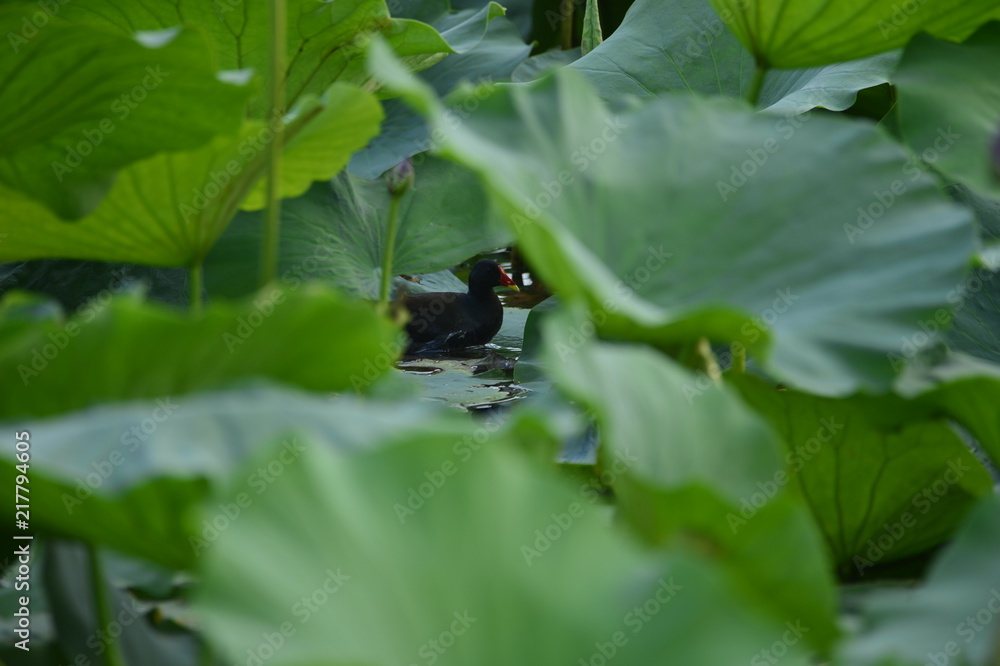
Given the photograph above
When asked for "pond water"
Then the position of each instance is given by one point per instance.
(477, 377)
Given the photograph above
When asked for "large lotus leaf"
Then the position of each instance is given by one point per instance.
(129, 476)
(987, 211)
(77, 104)
(834, 87)
(324, 136)
(405, 570)
(975, 328)
(806, 33)
(324, 39)
(518, 11)
(962, 388)
(538, 65)
(703, 464)
(680, 428)
(740, 227)
(168, 210)
(338, 230)
(949, 105)
(404, 132)
(881, 482)
(143, 350)
(950, 618)
(685, 45)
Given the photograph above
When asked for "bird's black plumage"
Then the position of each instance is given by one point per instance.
(443, 321)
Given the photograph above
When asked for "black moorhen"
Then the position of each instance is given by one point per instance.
(442, 321)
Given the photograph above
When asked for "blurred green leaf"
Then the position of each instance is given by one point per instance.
(949, 105)
(637, 394)
(689, 460)
(406, 570)
(960, 387)
(950, 618)
(69, 584)
(975, 327)
(73, 283)
(129, 476)
(882, 482)
(119, 348)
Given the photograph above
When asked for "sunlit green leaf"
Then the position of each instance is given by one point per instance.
(685, 45)
(168, 210)
(325, 39)
(77, 104)
(806, 33)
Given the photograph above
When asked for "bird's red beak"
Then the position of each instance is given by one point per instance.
(506, 281)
